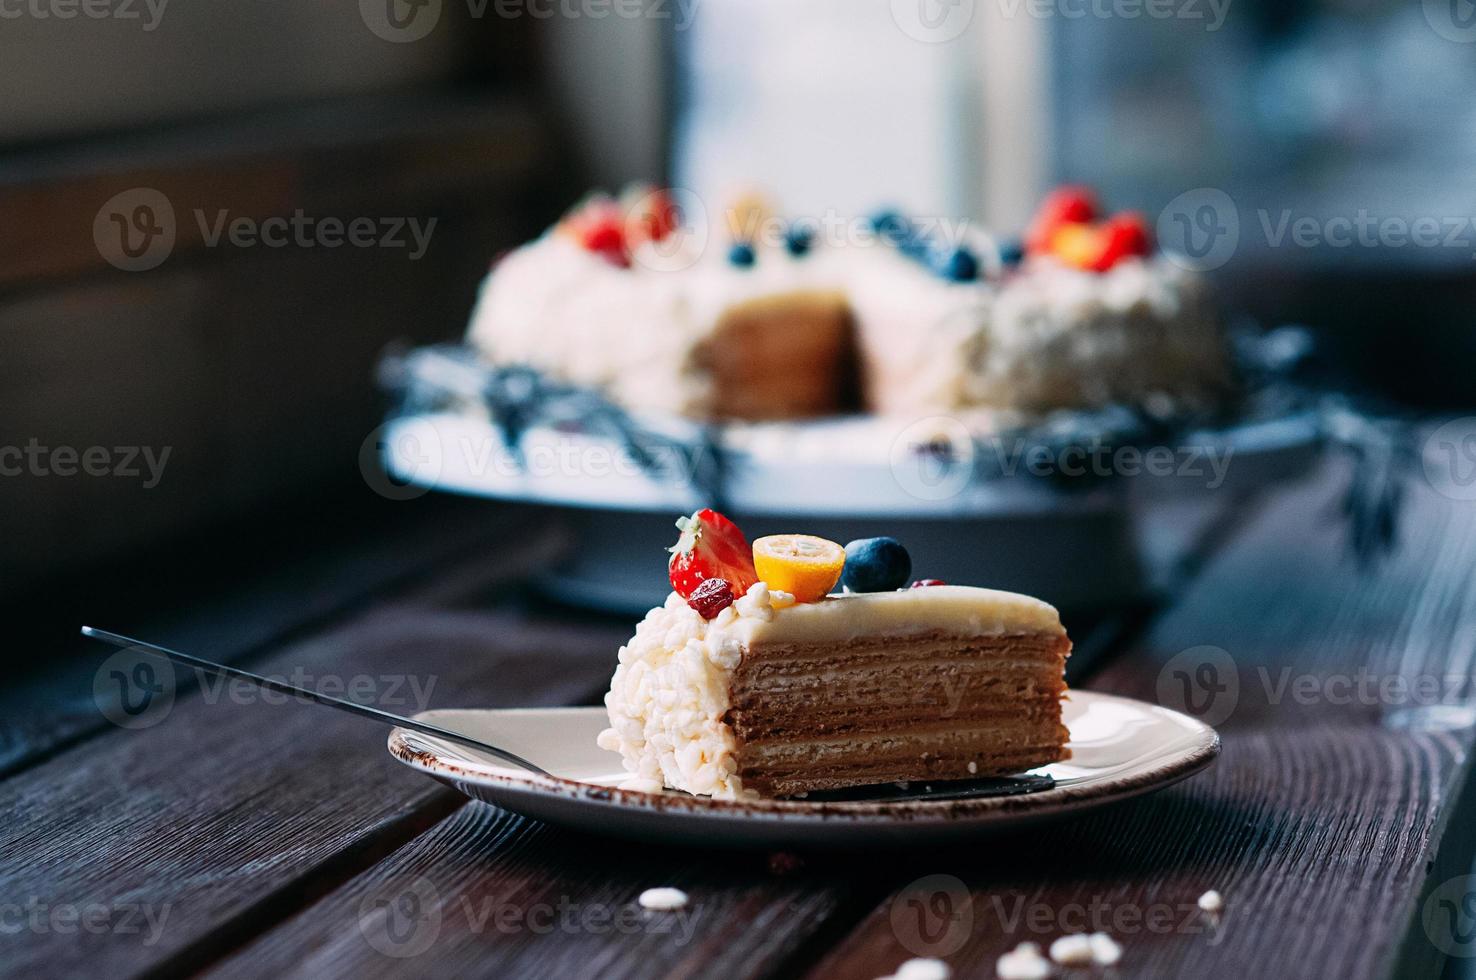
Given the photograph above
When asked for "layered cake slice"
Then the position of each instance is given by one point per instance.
(777, 687)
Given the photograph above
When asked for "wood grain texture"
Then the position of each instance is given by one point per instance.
(1324, 818)
(233, 594)
(491, 894)
(225, 816)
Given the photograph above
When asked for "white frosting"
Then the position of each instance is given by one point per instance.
(670, 691)
(630, 332)
(1045, 336)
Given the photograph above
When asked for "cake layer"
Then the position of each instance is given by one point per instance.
(770, 697)
(875, 684)
(934, 705)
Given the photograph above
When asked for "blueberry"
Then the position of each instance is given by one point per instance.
(916, 247)
(798, 240)
(958, 265)
(1012, 252)
(742, 255)
(891, 227)
(875, 565)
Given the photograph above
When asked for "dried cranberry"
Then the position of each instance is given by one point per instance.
(923, 583)
(711, 597)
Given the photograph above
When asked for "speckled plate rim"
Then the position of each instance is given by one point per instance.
(1176, 747)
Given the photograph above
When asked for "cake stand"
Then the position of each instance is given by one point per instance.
(1074, 542)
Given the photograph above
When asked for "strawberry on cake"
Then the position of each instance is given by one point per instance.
(907, 320)
(757, 678)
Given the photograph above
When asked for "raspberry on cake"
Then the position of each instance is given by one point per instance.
(770, 696)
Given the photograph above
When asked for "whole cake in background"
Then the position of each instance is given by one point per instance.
(908, 318)
(756, 678)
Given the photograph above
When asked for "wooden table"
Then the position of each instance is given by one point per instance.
(254, 839)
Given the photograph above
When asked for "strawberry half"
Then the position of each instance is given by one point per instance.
(1124, 236)
(711, 546)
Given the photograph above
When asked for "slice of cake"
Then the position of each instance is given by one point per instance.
(777, 688)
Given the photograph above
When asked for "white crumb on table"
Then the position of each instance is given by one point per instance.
(1105, 950)
(663, 899)
(921, 969)
(1211, 901)
(973, 767)
(1075, 950)
(1024, 962)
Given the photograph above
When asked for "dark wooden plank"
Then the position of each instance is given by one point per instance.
(1325, 823)
(502, 896)
(225, 816)
(234, 593)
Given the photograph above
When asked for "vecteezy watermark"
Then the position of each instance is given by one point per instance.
(1200, 229)
(124, 462)
(1208, 465)
(136, 230)
(1203, 229)
(303, 230)
(148, 13)
(938, 458)
(933, 21)
(1016, 915)
(1210, 13)
(40, 918)
(1449, 917)
(403, 919)
(1207, 683)
(1449, 459)
(1454, 20)
(401, 461)
(134, 689)
(933, 916)
(404, 21)
(1203, 682)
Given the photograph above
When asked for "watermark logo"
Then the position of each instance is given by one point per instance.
(149, 13)
(35, 459)
(933, 21)
(135, 230)
(39, 918)
(933, 916)
(415, 455)
(1449, 917)
(1449, 458)
(933, 458)
(400, 21)
(684, 245)
(1203, 682)
(134, 689)
(1454, 20)
(1200, 229)
(401, 920)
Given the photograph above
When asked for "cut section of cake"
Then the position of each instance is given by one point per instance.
(771, 697)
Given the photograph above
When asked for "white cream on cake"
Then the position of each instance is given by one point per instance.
(669, 695)
(1032, 338)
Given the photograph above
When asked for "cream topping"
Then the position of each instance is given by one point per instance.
(670, 691)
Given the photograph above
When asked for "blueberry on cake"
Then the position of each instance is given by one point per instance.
(756, 678)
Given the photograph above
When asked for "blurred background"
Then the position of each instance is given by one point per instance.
(1287, 142)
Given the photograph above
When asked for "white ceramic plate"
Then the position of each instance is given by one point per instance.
(1120, 748)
